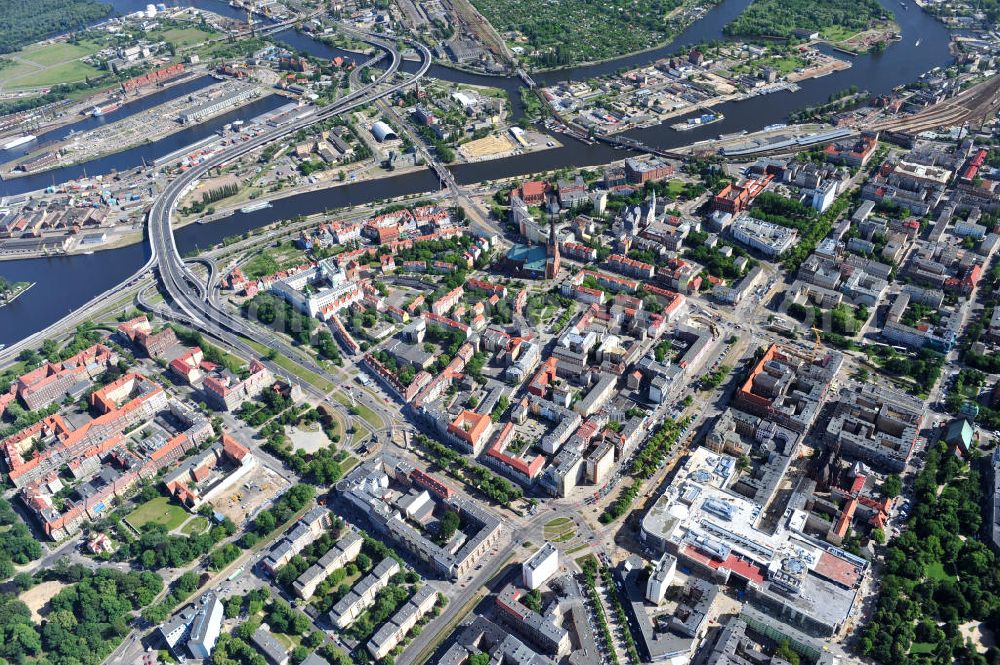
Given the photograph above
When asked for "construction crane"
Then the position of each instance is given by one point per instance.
(817, 344)
(251, 24)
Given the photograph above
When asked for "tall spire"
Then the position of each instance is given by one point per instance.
(552, 250)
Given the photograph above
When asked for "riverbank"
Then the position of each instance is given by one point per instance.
(136, 236)
(234, 207)
(134, 131)
(13, 292)
(66, 282)
(75, 114)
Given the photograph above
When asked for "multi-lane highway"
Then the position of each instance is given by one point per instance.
(186, 292)
(177, 279)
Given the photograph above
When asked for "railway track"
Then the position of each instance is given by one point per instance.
(975, 103)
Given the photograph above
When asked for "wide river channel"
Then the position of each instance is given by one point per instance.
(64, 283)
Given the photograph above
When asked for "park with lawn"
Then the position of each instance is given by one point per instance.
(941, 581)
(161, 510)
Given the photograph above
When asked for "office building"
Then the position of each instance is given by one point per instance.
(660, 578)
(196, 628)
(769, 239)
(540, 566)
(876, 425)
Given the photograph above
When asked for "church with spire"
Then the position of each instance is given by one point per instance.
(552, 252)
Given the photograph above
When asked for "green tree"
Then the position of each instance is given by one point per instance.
(892, 486)
(786, 652)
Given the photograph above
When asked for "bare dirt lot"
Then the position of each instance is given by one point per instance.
(307, 438)
(980, 634)
(257, 488)
(488, 147)
(38, 596)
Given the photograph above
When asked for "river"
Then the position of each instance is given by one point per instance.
(85, 123)
(133, 157)
(68, 282)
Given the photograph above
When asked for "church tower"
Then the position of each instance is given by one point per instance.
(552, 251)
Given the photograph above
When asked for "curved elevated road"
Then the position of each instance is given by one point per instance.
(176, 277)
(188, 293)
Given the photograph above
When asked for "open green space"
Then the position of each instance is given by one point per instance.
(53, 54)
(559, 530)
(274, 259)
(837, 33)
(23, 23)
(935, 571)
(292, 367)
(574, 31)
(360, 410)
(288, 641)
(349, 463)
(182, 37)
(48, 64)
(784, 65)
(195, 526)
(785, 18)
(939, 574)
(161, 510)
(675, 187)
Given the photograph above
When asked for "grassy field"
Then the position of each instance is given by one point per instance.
(160, 510)
(195, 526)
(274, 259)
(784, 65)
(292, 368)
(47, 64)
(184, 37)
(836, 33)
(365, 413)
(289, 641)
(348, 464)
(935, 571)
(559, 530)
(53, 54)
